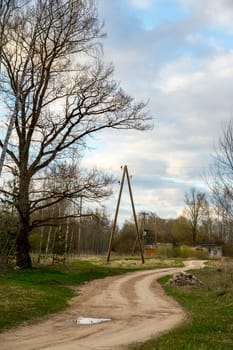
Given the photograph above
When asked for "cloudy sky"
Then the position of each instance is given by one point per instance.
(178, 55)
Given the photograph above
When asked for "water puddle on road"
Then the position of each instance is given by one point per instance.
(90, 320)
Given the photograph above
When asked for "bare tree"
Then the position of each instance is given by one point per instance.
(220, 174)
(220, 181)
(60, 93)
(64, 182)
(6, 7)
(196, 205)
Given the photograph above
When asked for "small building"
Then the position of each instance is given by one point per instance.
(158, 248)
(213, 250)
(150, 250)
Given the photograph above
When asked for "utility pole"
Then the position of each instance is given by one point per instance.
(115, 217)
(141, 231)
(125, 174)
(80, 223)
(144, 231)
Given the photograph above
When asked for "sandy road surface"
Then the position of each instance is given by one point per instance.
(135, 302)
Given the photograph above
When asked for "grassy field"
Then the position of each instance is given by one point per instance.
(210, 310)
(32, 294)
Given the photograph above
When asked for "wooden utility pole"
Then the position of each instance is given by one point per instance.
(142, 228)
(80, 224)
(125, 173)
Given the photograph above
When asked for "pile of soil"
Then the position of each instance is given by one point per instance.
(184, 279)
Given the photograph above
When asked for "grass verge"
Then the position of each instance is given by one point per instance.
(210, 310)
(31, 294)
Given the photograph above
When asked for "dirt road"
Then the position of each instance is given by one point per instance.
(135, 302)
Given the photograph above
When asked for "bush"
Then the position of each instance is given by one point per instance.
(165, 252)
(182, 251)
(227, 250)
(185, 251)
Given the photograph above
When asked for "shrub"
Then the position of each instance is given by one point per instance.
(165, 252)
(227, 250)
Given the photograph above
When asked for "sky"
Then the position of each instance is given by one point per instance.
(178, 56)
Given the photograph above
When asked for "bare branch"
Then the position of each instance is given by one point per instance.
(53, 82)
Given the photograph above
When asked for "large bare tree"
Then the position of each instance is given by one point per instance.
(220, 180)
(195, 210)
(58, 91)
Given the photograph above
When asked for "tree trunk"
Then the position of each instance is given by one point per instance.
(194, 235)
(23, 259)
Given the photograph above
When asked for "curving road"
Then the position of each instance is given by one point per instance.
(135, 302)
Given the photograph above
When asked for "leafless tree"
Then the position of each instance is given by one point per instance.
(66, 182)
(53, 81)
(6, 7)
(221, 171)
(220, 180)
(195, 210)
(94, 234)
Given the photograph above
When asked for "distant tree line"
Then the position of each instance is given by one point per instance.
(89, 231)
(176, 231)
(200, 223)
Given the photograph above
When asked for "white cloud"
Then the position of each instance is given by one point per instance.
(213, 12)
(187, 74)
(141, 4)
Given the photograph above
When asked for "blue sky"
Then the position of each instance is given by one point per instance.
(178, 54)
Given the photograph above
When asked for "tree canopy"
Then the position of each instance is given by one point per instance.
(56, 92)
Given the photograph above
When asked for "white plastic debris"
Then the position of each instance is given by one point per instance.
(89, 320)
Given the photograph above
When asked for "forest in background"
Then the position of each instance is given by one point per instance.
(89, 233)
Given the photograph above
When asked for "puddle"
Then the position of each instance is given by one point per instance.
(90, 320)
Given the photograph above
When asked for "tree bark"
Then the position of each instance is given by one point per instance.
(194, 235)
(23, 259)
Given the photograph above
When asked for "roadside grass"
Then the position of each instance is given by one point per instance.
(210, 314)
(31, 294)
(28, 295)
(135, 262)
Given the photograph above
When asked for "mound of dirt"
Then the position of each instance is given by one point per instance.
(183, 279)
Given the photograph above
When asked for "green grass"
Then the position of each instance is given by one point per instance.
(31, 294)
(28, 295)
(210, 310)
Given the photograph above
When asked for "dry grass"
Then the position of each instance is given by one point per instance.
(133, 262)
